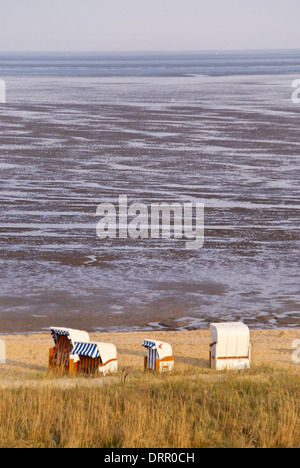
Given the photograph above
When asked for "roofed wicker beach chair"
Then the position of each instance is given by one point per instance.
(159, 356)
(93, 358)
(64, 340)
(230, 347)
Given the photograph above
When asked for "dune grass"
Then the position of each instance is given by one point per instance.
(197, 408)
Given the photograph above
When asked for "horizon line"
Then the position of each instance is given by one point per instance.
(131, 51)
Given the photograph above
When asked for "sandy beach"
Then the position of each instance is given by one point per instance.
(28, 354)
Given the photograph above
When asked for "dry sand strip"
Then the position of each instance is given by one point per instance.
(27, 355)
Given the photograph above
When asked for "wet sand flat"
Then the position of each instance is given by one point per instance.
(84, 129)
(69, 143)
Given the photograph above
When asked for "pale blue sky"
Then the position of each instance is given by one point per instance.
(120, 25)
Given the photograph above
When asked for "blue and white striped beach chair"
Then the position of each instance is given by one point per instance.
(64, 340)
(93, 358)
(159, 356)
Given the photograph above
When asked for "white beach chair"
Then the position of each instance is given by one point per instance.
(230, 347)
(93, 358)
(159, 356)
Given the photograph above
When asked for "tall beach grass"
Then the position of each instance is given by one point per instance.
(257, 408)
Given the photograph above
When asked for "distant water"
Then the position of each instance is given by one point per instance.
(150, 64)
(83, 129)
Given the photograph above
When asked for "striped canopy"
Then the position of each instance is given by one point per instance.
(58, 331)
(73, 335)
(163, 349)
(106, 351)
(149, 344)
(86, 349)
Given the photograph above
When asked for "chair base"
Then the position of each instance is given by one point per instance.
(92, 366)
(162, 365)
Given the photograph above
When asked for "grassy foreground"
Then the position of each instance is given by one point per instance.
(257, 408)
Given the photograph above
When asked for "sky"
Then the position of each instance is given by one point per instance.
(142, 25)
